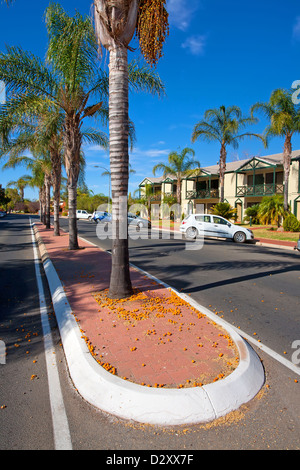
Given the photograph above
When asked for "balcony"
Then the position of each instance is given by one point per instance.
(203, 194)
(259, 190)
(155, 197)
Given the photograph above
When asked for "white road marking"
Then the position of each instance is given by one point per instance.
(290, 365)
(62, 438)
(270, 352)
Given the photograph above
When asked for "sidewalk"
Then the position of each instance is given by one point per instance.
(156, 339)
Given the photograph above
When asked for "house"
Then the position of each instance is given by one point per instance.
(246, 183)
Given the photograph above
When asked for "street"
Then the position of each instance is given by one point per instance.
(253, 288)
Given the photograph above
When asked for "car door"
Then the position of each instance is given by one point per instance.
(202, 224)
(207, 226)
(220, 226)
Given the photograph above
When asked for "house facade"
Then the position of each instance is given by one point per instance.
(246, 183)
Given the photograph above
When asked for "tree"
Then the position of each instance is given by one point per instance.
(284, 117)
(223, 125)
(252, 213)
(20, 184)
(67, 83)
(271, 209)
(180, 164)
(115, 24)
(70, 81)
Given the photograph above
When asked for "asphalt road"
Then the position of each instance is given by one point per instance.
(255, 288)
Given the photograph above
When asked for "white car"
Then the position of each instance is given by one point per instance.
(209, 225)
(82, 214)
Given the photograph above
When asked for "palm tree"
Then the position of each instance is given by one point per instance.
(223, 125)
(179, 166)
(71, 81)
(20, 184)
(115, 24)
(271, 209)
(284, 118)
(67, 83)
(41, 171)
(224, 209)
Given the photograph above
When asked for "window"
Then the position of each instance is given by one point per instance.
(202, 218)
(218, 220)
(269, 178)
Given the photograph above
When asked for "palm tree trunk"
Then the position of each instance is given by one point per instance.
(72, 202)
(120, 283)
(222, 166)
(287, 154)
(72, 164)
(56, 181)
(47, 201)
(43, 204)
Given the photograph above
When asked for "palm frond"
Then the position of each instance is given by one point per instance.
(143, 78)
(25, 74)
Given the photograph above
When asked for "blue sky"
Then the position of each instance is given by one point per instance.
(217, 53)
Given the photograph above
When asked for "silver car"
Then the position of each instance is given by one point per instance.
(209, 225)
(139, 221)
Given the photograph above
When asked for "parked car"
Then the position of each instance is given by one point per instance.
(100, 216)
(82, 214)
(208, 225)
(139, 221)
(3, 213)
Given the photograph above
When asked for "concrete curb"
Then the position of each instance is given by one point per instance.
(130, 401)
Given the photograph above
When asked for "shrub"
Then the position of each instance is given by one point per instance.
(252, 212)
(291, 224)
(225, 210)
(271, 209)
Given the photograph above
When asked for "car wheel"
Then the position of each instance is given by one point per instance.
(191, 232)
(239, 237)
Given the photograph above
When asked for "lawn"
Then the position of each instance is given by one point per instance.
(271, 233)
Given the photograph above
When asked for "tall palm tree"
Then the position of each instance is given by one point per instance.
(70, 81)
(223, 125)
(115, 24)
(41, 171)
(67, 82)
(20, 184)
(179, 166)
(284, 117)
(40, 134)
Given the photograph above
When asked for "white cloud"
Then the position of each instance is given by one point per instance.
(151, 153)
(296, 29)
(181, 12)
(195, 44)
